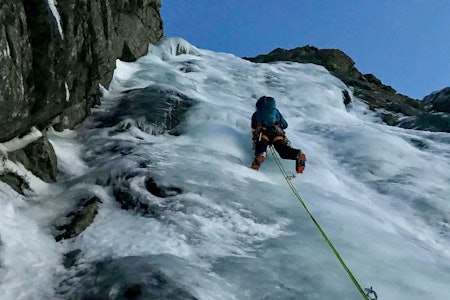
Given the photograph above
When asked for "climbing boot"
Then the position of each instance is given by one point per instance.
(300, 162)
(258, 161)
(261, 157)
(256, 164)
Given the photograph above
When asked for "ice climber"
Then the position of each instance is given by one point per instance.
(268, 129)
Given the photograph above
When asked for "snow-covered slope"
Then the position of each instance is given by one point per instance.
(379, 192)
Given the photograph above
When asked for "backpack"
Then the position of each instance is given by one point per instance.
(266, 112)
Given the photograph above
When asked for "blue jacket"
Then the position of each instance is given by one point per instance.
(256, 119)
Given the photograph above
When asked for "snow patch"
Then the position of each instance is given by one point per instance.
(52, 4)
(67, 92)
(6, 52)
(19, 143)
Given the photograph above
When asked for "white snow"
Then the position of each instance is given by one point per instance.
(29, 256)
(379, 192)
(67, 91)
(20, 142)
(7, 52)
(52, 4)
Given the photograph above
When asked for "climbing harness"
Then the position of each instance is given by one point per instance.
(369, 292)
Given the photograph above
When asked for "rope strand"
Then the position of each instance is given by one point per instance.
(336, 253)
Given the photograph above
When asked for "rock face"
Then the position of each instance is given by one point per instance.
(437, 118)
(394, 108)
(39, 158)
(52, 59)
(80, 219)
(14, 180)
(438, 101)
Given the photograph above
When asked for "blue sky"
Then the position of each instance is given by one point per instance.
(405, 43)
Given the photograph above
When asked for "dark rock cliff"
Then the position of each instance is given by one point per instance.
(50, 70)
(437, 116)
(438, 101)
(53, 59)
(394, 108)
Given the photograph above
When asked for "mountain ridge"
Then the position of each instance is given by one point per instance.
(394, 109)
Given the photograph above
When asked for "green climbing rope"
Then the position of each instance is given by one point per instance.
(294, 190)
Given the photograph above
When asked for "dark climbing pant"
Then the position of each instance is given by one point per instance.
(281, 146)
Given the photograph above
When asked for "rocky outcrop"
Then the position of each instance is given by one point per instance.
(52, 59)
(15, 181)
(80, 219)
(334, 60)
(437, 116)
(39, 158)
(438, 101)
(16, 84)
(392, 106)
